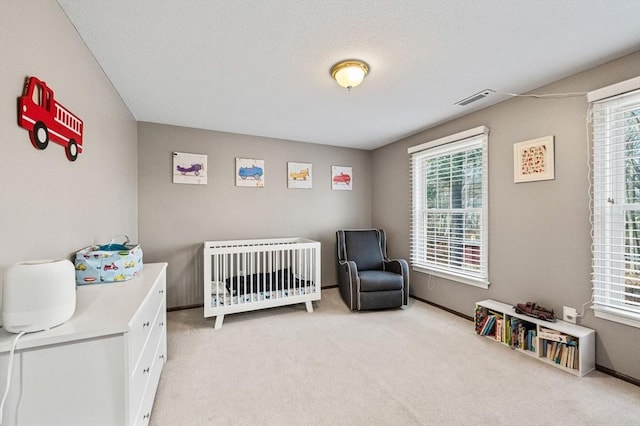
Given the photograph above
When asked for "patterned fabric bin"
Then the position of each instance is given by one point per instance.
(95, 264)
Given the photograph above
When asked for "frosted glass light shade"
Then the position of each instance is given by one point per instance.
(349, 74)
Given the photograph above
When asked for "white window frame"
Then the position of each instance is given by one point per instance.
(610, 206)
(470, 139)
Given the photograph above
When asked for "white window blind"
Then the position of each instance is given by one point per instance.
(616, 204)
(449, 207)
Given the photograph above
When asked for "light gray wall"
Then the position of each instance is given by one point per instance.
(49, 206)
(539, 232)
(175, 219)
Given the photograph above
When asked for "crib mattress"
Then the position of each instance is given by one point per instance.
(222, 297)
(261, 282)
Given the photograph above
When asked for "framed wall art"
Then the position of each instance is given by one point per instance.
(250, 172)
(299, 175)
(341, 178)
(189, 168)
(533, 160)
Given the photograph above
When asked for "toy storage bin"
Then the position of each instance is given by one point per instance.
(108, 263)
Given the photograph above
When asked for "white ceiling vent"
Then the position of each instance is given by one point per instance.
(473, 98)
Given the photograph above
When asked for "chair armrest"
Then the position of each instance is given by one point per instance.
(349, 282)
(400, 267)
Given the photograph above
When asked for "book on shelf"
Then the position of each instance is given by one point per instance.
(488, 322)
(554, 335)
(556, 354)
(573, 363)
(552, 347)
(564, 354)
(480, 318)
(571, 357)
(521, 334)
(531, 340)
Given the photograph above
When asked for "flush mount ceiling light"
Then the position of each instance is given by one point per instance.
(349, 73)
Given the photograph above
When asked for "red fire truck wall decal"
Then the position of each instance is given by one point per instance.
(47, 120)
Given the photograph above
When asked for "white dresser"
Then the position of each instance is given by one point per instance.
(101, 367)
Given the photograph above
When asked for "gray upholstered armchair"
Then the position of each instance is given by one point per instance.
(367, 278)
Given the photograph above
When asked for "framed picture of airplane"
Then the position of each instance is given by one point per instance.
(189, 168)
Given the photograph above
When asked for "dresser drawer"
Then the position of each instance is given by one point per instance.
(160, 357)
(142, 323)
(142, 370)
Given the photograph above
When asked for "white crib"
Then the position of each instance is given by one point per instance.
(245, 275)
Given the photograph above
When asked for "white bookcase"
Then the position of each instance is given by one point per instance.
(534, 345)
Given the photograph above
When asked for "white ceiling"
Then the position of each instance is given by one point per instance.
(262, 67)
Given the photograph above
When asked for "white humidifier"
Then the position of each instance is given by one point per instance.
(38, 295)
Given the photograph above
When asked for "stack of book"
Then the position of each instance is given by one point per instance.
(489, 323)
(522, 334)
(560, 348)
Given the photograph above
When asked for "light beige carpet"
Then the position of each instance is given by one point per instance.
(415, 366)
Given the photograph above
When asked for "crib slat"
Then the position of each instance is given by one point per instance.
(224, 276)
(214, 281)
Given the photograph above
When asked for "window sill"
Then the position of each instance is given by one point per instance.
(476, 282)
(615, 315)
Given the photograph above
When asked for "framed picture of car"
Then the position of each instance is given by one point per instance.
(250, 172)
(189, 168)
(341, 178)
(299, 175)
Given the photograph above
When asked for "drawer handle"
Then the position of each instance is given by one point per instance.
(161, 291)
(145, 417)
(145, 324)
(161, 357)
(161, 324)
(145, 371)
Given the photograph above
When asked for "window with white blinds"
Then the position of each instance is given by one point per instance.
(616, 202)
(449, 207)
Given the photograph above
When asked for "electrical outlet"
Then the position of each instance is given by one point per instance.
(569, 314)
